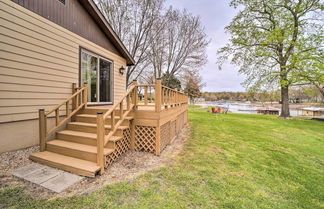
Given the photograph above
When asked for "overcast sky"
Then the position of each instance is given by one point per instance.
(215, 15)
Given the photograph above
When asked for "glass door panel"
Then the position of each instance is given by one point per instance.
(97, 73)
(105, 80)
(89, 71)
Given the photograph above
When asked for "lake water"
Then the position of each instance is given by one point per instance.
(248, 108)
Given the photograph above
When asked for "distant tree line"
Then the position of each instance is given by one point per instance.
(297, 94)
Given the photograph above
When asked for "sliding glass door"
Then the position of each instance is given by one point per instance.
(97, 73)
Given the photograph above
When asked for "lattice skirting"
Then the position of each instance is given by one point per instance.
(165, 135)
(121, 146)
(171, 129)
(145, 139)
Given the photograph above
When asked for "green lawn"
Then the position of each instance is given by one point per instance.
(231, 161)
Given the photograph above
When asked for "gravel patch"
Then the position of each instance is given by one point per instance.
(129, 166)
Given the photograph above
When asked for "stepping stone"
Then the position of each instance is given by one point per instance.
(24, 171)
(61, 182)
(50, 178)
(42, 175)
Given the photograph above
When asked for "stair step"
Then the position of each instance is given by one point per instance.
(82, 137)
(89, 118)
(77, 150)
(92, 110)
(78, 137)
(77, 146)
(71, 164)
(108, 117)
(95, 110)
(95, 125)
(89, 127)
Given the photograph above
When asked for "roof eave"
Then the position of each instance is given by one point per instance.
(107, 29)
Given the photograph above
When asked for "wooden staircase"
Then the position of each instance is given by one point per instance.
(88, 139)
(75, 148)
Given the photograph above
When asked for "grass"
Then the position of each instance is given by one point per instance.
(231, 161)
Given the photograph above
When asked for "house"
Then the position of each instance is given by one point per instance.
(63, 86)
(312, 111)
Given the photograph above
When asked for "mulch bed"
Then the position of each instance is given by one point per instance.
(127, 167)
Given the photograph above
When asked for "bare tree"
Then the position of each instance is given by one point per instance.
(133, 21)
(181, 44)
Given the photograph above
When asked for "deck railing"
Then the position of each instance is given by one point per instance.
(78, 100)
(161, 96)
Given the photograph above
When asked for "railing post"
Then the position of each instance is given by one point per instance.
(100, 141)
(74, 99)
(85, 95)
(158, 89)
(42, 129)
(135, 94)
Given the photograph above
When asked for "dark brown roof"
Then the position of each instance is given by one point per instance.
(93, 10)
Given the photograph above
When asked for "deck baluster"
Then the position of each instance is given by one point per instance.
(57, 116)
(121, 112)
(145, 95)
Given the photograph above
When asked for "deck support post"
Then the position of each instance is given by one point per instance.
(100, 142)
(158, 91)
(132, 135)
(42, 129)
(158, 139)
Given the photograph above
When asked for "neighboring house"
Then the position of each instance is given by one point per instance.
(45, 46)
(312, 111)
(63, 86)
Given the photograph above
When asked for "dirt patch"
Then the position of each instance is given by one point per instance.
(129, 166)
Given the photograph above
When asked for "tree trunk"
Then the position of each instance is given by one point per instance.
(284, 102)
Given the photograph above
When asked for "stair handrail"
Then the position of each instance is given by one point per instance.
(102, 138)
(78, 100)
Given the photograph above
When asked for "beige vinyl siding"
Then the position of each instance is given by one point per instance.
(39, 61)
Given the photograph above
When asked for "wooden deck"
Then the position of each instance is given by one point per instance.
(90, 138)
